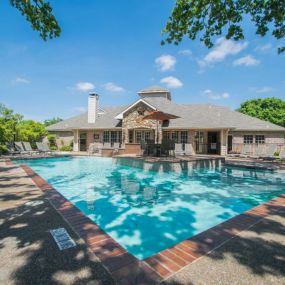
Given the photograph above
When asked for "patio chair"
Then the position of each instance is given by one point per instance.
(28, 147)
(91, 148)
(259, 151)
(189, 150)
(19, 146)
(107, 145)
(282, 153)
(270, 151)
(246, 150)
(116, 147)
(178, 150)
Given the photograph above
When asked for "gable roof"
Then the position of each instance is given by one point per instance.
(192, 116)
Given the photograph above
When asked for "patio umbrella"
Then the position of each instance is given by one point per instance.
(159, 116)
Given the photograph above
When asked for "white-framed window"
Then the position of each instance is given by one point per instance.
(138, 136)
(174, 136)
(248, 139)
(106, 136)
(259, 139)
(184, 137)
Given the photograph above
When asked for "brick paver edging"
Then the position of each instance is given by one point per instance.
(124, 267)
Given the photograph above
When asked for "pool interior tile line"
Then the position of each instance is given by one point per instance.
(127, 269)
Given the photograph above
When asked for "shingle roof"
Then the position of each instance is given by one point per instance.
(153, 89)
(192, 116)
(104, 120)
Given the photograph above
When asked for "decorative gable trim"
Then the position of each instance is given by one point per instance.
(120, 116)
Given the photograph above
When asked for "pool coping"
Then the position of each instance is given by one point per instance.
(127, 269)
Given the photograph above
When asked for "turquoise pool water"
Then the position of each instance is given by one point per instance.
(146, 211)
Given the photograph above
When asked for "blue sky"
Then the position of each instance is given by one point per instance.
(113, 48)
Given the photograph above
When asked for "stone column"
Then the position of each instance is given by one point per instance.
(224, 142)
(76, 140)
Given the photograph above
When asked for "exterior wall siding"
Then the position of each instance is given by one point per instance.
(270, 137)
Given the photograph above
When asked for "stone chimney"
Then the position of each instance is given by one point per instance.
(92, 107)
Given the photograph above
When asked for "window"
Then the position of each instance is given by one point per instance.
(166, 135)
(113, 137)
(184, 137)
(146, 136)
(131, 136)
(174, 136)
(259, 139)
(248, 139)
(106, 136)
(138, 136)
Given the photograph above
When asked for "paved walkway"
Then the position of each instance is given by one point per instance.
(28, 253)
(30, 256)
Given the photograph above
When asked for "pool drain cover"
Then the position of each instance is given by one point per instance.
(62, 238)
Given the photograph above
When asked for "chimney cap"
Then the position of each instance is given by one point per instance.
(93, 94)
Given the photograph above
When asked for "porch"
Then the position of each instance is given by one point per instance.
(213, 142)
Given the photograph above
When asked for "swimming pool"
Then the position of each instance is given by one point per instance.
(147, 211)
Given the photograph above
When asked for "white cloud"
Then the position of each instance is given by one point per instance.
(264, 48)
(223, 49)
(265, 89)
(247, 60)
(113, 87)
(214, 96)
(85, 86)
(165, 62)
(20, 80)
(80, 109)
(171, 82)
(186, 52)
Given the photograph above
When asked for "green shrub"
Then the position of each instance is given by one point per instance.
(66, 148)
(3, 149)
(53, 147)
(52, 141)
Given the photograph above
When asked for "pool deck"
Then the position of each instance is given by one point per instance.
(247, 249)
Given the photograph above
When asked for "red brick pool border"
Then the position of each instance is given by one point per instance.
(124, 267)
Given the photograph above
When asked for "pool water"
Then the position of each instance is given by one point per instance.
(147, 211)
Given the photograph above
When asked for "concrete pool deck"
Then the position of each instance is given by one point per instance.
(255, 256)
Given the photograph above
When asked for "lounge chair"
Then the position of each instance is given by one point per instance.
(40, 148)
(11, 150)
(28, 148)
(189, 150)
(178, 150)
(19, 146)
(46, 148)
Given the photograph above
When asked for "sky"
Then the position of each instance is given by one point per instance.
(113, 48)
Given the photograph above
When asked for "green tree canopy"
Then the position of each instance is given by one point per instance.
(52, 121)
(8, 124)
(268, 109)
(207, 19)
(31, 131)
(39, 14)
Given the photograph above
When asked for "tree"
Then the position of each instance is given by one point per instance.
(39, 14)
(207, 19)
(268, 109)
(30, 131)
(8, 124)
(52, 121)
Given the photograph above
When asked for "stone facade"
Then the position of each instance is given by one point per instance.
(133, 119)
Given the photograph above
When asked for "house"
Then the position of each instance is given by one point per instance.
(211, 129)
